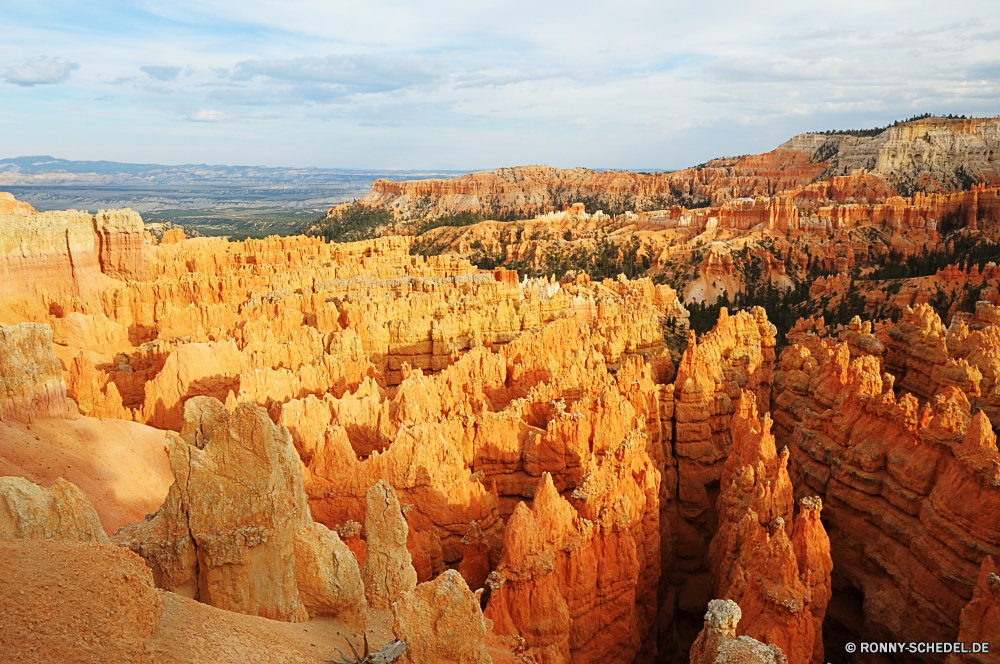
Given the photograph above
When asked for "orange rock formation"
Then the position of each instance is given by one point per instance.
(440, 621)
(528, 189)
(779, 576)
(388, 570)
(737, 354)
(980, 620)
(891, 472)
(10, 205)
(528, 440)
(31, 380)
(60, 512)
(227, 532)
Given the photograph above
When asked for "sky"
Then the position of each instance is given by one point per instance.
(476, 85)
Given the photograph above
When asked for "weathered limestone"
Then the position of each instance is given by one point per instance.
(440, 621)
(576, 579)
(226, 533)
(980, 619)
(388, 570)
(328, 578)
(61, 512)
(202, 369)
(718, 644)
(779, 576)
(31, 382)
(910, 492)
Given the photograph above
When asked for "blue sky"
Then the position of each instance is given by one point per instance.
(469, 85)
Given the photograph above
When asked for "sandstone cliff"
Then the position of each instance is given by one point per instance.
(526, 191)
(63, 253)
(779, 575)
(540, 454)
(930, 155)
(934, 154)
(737, 355)
(980, 619)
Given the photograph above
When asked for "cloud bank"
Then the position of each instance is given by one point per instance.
(648, 84)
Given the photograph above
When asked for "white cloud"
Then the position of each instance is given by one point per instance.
(208, 115)
(39, 71)
(457, 84)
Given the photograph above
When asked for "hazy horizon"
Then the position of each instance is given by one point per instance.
(330, 168)
(453, 86)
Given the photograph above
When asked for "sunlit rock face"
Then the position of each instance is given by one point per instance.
(508, 468)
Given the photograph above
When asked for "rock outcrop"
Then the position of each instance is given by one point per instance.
(529, 190)
(779, 576)
(737, 355)
(31, 380)
(388, 570)
(718, 644)
(10, 205)
(528, 439)
(980, 619)
(440, 621)
(122, 245)
(61, 512)
(575, 578)
(910, 493)
(195, 369)
(327, 576)
(453, 437)
(226, 534)
(931, 153)
(50, 253)
(755, 494)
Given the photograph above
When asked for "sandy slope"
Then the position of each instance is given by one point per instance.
(193, 632)
(120, 466)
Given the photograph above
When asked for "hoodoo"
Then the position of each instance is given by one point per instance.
(745, 413)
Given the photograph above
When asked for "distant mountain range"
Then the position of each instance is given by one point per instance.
(45, 170)
(212, 199)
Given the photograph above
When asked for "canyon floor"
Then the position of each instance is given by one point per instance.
(746, 413)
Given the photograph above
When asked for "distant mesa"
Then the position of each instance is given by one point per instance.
(932, 155)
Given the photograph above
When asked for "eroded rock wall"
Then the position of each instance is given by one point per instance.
(31, 379)
(737, 355)
(910, 492)
(778, 574)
